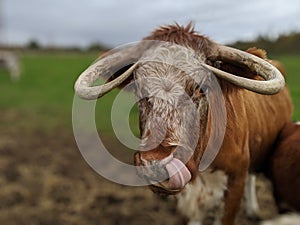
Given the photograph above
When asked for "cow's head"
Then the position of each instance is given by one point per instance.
(171, 84)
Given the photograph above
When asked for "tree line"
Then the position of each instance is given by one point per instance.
(283, 44)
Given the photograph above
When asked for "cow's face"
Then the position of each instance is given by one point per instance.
(171, 102)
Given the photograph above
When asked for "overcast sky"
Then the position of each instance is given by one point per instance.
(115, 22)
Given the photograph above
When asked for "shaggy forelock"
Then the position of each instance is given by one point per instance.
(168, 71)
(184, 58)
(162, 79)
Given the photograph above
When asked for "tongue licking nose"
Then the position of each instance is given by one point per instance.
(168, 173)
(178, 173)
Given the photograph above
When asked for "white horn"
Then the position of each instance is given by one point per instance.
(274, 81)
(106, 67)
(84, 88)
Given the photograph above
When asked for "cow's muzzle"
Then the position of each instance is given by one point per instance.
(168, 175)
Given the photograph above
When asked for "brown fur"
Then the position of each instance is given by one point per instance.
(284, 166)
(185, 36)
(253, 120)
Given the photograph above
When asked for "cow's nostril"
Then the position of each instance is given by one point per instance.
(168, 149)
(152, 170)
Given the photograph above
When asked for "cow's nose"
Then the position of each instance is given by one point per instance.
(153, 157)
(169, 173)
(154, 170)
(158, 153)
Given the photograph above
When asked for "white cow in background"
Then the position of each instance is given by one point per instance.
(10, 61)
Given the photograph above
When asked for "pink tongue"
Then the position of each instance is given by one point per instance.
(179, 174)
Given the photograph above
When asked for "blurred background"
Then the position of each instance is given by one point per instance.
(45, 45)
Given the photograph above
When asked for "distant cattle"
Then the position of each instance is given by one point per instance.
(10, 62)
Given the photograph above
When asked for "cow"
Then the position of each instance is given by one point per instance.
(10, 61)
(208, 115)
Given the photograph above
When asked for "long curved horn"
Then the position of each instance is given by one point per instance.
(106, 67)
(83, 85)
(274, 81)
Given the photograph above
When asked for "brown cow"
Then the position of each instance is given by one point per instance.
(181, 110)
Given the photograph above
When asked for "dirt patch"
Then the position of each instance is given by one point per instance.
(44, 180)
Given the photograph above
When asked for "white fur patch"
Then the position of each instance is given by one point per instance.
(203, 198)
(251, 203)
(288, 219)
(298, 122)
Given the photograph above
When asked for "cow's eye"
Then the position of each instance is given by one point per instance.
(146, 102)
(204, 89)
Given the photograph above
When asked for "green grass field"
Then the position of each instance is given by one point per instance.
(292, 65)
(45, 92)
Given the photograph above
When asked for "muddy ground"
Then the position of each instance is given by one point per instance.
(45, 181)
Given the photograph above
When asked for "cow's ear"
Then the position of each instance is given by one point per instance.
(234, 68)
(261, 53)
(119, 73)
